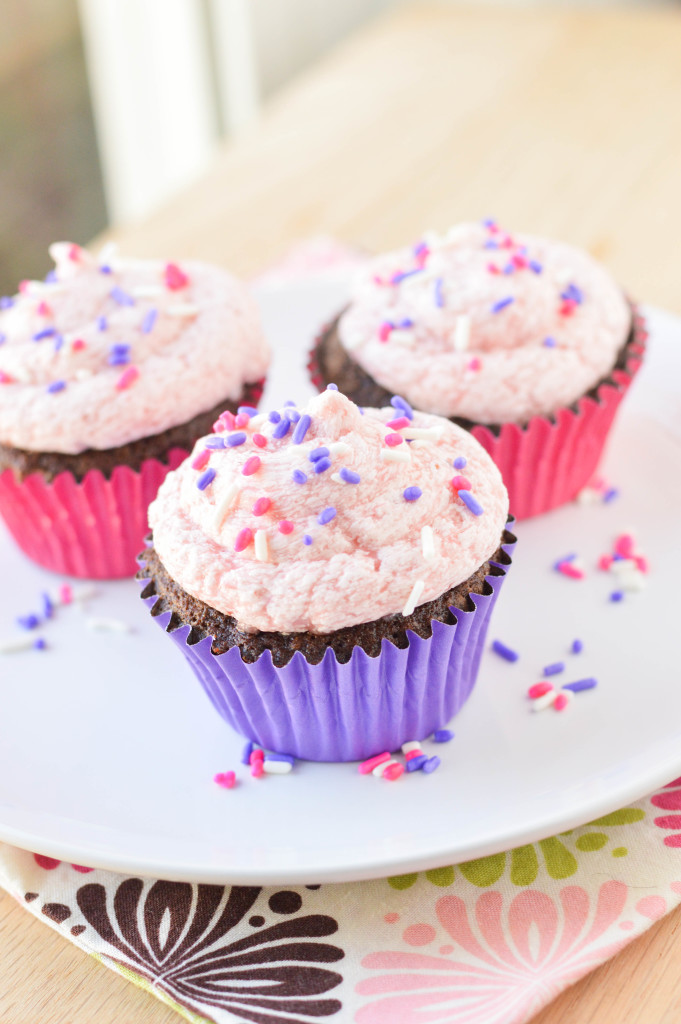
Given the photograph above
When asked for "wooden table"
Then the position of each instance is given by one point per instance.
(562, 122)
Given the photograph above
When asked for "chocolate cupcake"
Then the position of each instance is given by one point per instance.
(329, 574)
(529, 344)
(109, 371)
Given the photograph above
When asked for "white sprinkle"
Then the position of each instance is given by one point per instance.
(541, 703)
(83, 374)
(261, 546)
(146, 291)
(228, 500)
(44, 287)
(182, 309)
(404, 338)
(588, 496)
(380, 768)
(337, 478)
(422, 433)
(414, 596)
(276, 767)
(257, 421)
(107, 625)
(412, 745)
(107, 253)
(400, 454)
(462, 333)
(21, 643)
(428, 543)
(339, 448)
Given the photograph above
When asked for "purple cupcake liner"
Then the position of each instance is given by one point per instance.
(334, 712)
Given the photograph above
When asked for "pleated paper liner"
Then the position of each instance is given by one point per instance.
(348, 712)
(548, 461)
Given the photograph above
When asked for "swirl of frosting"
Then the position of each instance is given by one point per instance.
(104, 353)
(486, 326)
(325, 517)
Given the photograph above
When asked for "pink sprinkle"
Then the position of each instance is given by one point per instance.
(624, 545)
(251, 465)
(43, 309)
(422, 256)
(65, 594)
(368, 766)
(568, 569)
(5, 378)
(493, 268)
(568, 307)
(398, 424)
(412, 754)
(461, 483)
(24, 286)
(225, 779)
(518, 261)
(257, 768)
(475, 365)
(241, 420)
(393, 771)
(128, 377)
(261, 506)
(604, 562)
(393, 439)
(256, 755)
(201, 460)
(227, 420)
(78, 344)
(285, 526)
(561, 702)
(175, 279)
(507, 243)
(642, 563)
(243, 539)
(74, 253)
(539, 689)
(260, 440)
(384, 331)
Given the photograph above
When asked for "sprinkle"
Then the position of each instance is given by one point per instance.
(182, 309)
(119, 355)
(307, 539)
(47, 332)
(507, 653)
(274, 416)
(39, 644)
(261, 546)
(260, 506)
(403, 274)
(321, 465)
(285, 526)
(28, 621)
(234, 440)
(554, 669)
(573, 294)
(332, 387)
(413, 598)
(225, 421)
(243, 539)
(128, 377)
(293, 415)
(318, 453)
(326, 515)
(439, 293)
(462, 333)
(561, 701)
(460, 462)
(549, 342)
(402, 404)
(121, 297)
(540, 690)
(393, 771)
(349, 476)
(78, 344)
(616, 596)
(257, 768)
(107, 625)
(569, 570)
(58, 342)
(415, 764)
(384, 330)
(471, 502)
(535, 267)
(398, 424)
(5, 378)
(475, 365)
(610, 495)
(431, 764)
(443, 736)
(423, 433)
(225, 779)
(228, 500)
(65, 594)
(148, 321)
(624, 545)
(48, 605)
(246, 753)
(577, 647)
(257, 754)
(3, 338)
(410, 747)
(6, 302)
(541, 703)
(284, 758)
(273, 766)
(215, 443)
(299, 477)
(392, 440)
(301, 429)
(13, 646)
(201, 460)
(205, 479)
(502, 304)
(247, 410)
(568, 307)
(460, 483)
(428, 543)
(373, 762)
(395, 455)
(282, 428)
(412, 493)
(55, 386)
(174, 278)
(251, 465)
(380, 768)
(259, 440)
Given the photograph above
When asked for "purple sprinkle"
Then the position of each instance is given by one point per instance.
(326, 515)
(549, 342)
(610, 495)
(215, 443)
(55, 386)
(3, 338)
(412, 493)
(248, 410)
(293, 415)
(104, 269)
(431, 764)
(491, 244)
(318, 453)
(28, 621)
(321, 465)
(439, 294)
(47, 332)
(419, 248)
(561, 561)
(102, 323)
(51, 277)
(6, 302)
(349, 476)
(307, 539)
(121, 297)
(246, 753)
(148, 321)
(289, 403)
(274, 416)
(617, 595)
(234, 440)
(58, 342)
(502, 304)
(403, 405)
(443, 735)
(48, 606)
(281, 757)
(282, 428)
(581, 684)
(536, 267)
(119, 355)
(554, 669)
(416, 763)
(301, 429)
(573, 294)
(332, 387)
(406, 322)
(460, 462)
(507, 653)
(39, 644)
(299, 477)
(205, 479)
(471, 502)
(577, 647)
(399, 277)
(489, 222)
(509, 269)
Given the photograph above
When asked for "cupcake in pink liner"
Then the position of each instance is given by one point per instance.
(109, 372)
(528, 343)
(329, 573)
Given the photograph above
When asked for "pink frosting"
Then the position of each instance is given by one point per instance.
(444, 338)
(182, 339)
(371, 555)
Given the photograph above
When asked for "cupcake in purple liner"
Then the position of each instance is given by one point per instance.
(329, 573)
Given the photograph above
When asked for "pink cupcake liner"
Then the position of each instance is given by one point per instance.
(548, 461)
(347, 712)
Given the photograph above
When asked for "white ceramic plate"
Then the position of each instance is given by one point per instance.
(108, 746)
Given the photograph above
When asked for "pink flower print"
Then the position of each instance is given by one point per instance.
(669, 799)
(508, 959)
(49, 864)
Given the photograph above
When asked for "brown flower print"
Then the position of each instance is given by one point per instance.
(178, 936)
